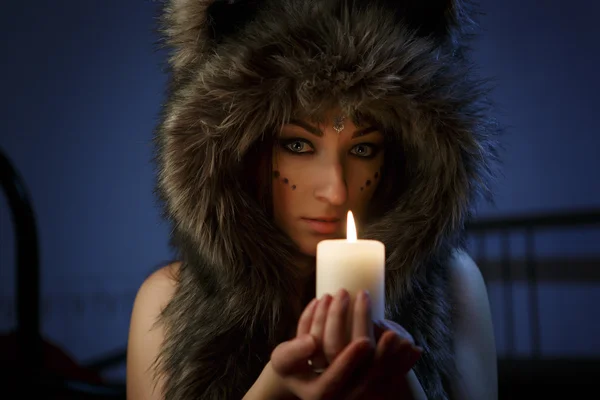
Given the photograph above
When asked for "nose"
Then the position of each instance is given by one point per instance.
(332, 187)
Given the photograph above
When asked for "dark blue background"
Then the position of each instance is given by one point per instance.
(82, 84)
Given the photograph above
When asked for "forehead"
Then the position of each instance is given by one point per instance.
(333, 116)
(318, 131)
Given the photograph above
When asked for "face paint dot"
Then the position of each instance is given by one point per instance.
(275, 174)
(293, 187)
(285, 180)
(368, 182)
(362, 188)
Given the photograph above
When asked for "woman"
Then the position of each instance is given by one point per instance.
(281, 117)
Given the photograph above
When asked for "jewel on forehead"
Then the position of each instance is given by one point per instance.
(338, 124)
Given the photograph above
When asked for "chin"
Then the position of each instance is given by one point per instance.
(307, 245)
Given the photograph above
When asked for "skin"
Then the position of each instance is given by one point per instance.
(329, 177)
(373, 363)
(475, 349)
(320, 172)
(389, 349)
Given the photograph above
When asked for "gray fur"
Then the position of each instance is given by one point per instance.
(233, 303)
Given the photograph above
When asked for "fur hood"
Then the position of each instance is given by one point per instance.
(238, 71)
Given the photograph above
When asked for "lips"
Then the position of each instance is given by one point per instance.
(324, 225)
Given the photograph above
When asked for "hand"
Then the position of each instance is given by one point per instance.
(395, 356)
(335, 322)
(395, 352)
(295, 376)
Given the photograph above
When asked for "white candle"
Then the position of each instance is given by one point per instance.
(353, 265)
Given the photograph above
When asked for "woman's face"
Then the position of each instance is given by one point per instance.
(320, 174)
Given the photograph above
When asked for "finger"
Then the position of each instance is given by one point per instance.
(387, 324)
(317, 330)
(335, 337)
(395, 356)
(344, 367)
(414, 354)
(317, 326)
(378, 330)
(362, 325)
(384, 376)
(376, 374)
(373, 376)
(385, 352)
(306, 318)
(378, 370)
(291, 357)
(405, 339)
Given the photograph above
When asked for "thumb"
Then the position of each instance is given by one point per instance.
(384, 325)
(292, 356)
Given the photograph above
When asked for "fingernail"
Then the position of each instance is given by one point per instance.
(344, 299)
(366, 296)
(415, 356)
(382, 324)
(315, 305)
(405, 342)
(325, 298)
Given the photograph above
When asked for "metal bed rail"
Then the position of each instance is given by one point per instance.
(529, 226)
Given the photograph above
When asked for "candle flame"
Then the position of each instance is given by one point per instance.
(350, 228)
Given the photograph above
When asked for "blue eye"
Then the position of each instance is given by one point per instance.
(297, 146)
(365, 150)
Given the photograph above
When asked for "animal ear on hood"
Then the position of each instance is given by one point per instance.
(192, 27)
(442, 19)
(225, 17)
(445, 20)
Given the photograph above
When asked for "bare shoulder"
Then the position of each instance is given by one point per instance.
(163, 280)
(468, 290)
(155, 293)
(475, 344)
(466, 278)
(145, 335)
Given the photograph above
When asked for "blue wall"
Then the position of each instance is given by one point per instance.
(83, 85)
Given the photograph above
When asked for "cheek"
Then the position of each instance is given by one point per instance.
(287, 188)
(363, 184)
(281, 195)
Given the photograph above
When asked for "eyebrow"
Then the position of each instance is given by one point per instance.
(317, 132)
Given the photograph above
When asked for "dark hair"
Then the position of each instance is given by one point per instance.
(258, 173)
(393, 181)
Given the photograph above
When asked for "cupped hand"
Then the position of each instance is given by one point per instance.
(296, 378)
(335, 322)
(334, 327)
(395, 355)
(360, 359)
